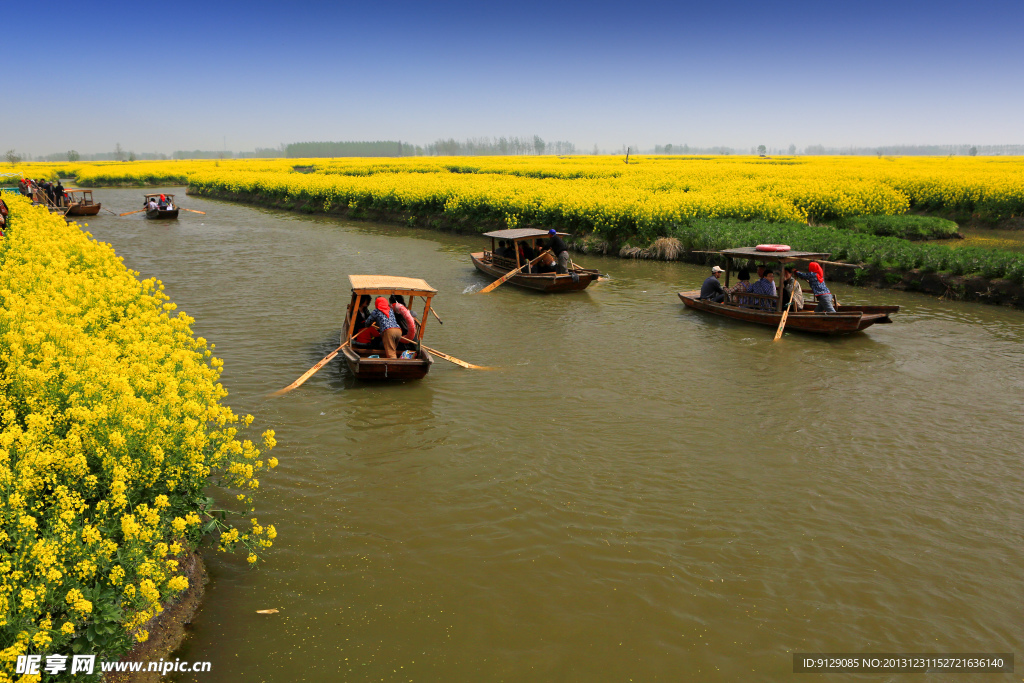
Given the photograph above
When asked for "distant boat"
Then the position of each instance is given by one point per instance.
(81, 203)
(766, 310)
(490, 263)
(159, 212)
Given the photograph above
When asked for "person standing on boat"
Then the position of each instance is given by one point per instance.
(558, 248)
(816, 278)
(791, 290)
(712, 289)
(765, 286)
(390, 332)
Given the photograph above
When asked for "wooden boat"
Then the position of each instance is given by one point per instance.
(161, 212)
(81, 203)
(490, 263)
(358, 359)
(748, 307)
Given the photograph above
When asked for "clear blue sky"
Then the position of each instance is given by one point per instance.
(187, 75)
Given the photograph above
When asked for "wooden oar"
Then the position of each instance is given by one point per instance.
(437, 316)
(309, 373)
(445, 356)
(785, 314)
(500, 281)
(131, 212)
(192, 210)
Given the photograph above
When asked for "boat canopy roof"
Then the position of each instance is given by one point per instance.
(157, 194)
(753, 253)
(389, 284)
(78, 189)
(519, 234)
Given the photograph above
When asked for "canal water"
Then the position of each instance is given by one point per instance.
(636, 492)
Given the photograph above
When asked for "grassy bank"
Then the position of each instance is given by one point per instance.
(112, 428)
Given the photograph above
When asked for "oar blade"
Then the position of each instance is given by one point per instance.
(309, 373)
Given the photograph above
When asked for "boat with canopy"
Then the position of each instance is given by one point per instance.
(366, 363)
(159, 212)
(495, 265)
(80, 203)
(768, 310)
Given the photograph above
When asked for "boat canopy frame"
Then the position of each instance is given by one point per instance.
(386, 285)
(780, 257)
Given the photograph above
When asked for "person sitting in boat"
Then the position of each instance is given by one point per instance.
(740, 287)
(558, 248)
(791, 290)
(162, 204)
(390, 332)
(816, 278)
(405, 319)
(712, 289)
(368, 337)
(766, 286)
(152, 204)
(546, 264)
(526, 252)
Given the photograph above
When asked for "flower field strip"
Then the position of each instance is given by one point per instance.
(741, 187)
(111, 428)
(616, 214)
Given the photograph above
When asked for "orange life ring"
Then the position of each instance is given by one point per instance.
(773, 247)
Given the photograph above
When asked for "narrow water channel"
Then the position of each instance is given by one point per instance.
(638, 492)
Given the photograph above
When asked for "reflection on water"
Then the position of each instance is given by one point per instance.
(638, 492)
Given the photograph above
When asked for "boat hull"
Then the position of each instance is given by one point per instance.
(392, 369)
(78, 210)
(541, 282)
(846, 319)
(161, 213)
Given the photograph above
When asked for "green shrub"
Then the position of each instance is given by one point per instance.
(906, 226)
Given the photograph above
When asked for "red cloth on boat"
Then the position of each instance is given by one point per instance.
(382, 305)
(367, 335)
(816, 268)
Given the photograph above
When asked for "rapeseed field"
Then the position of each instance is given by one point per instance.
(111, 428)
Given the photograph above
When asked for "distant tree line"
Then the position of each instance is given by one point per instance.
(503, 146)
(378, 148)
(687, 149)
(822, 150)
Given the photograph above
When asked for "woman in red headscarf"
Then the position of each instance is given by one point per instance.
(816, 278)
(390, 332)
